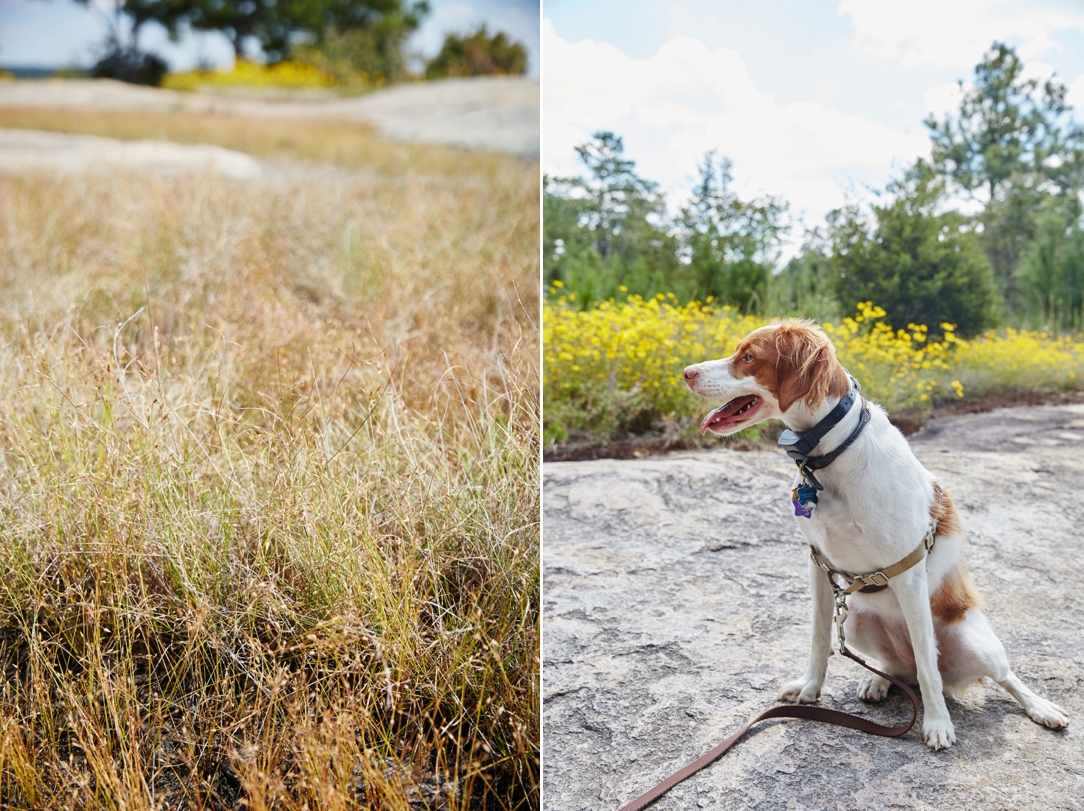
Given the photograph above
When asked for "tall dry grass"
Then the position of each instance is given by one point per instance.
(268, 494)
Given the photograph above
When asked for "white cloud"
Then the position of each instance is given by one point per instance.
(945, 98)
(955, 33)
(1037, 70)
(1075, 95)
(686, 99)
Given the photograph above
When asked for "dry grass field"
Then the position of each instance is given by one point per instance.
(269, 479)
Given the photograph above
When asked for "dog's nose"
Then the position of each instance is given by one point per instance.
(691, 373)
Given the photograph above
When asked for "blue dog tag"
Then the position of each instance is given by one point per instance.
(804, 498)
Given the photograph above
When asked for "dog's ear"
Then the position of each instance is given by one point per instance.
(806, 366)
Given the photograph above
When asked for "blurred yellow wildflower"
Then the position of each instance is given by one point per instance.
(247, 73)
(641, 346)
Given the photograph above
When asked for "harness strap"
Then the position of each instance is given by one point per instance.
(877, 580)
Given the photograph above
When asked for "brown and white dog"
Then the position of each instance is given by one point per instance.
(876, 507)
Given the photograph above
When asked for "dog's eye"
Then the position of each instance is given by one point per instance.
(748, 357)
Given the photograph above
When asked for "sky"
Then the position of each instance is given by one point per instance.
(817, 101)
(62, 33)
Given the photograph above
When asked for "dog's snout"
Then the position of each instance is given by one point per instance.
(691, 373)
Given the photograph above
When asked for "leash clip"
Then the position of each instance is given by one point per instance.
(840, 616)
(808, 474)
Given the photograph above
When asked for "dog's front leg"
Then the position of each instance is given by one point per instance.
(912, 591)
(807, 689)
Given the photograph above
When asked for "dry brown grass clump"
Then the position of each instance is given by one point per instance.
(268, 492)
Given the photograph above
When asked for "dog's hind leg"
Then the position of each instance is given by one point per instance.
(971, 650)
(1039, 709)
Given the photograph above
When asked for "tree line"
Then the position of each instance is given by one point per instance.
(358, 35)
(985, 232)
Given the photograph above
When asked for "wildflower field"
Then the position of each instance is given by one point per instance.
(246, 73)
(616, 369)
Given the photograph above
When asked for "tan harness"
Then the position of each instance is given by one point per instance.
(871, 581)
(875, 581)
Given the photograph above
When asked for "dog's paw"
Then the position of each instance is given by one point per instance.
(1048, 714)
(938, 733)
(873, 688)
(801, 692)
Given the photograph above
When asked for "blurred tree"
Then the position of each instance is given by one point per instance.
(371, 31)
(168, 13)
(804, 287)
(478, 54)
(127, 64)
(376, 51)
(609, 229)
(279, 24)
(1013, 145)
(1008, 227)
(124, 60)
(730, 245)
(921, 266)
(1051, 273)
(562, 236)
(616, 197)
(1008, 125)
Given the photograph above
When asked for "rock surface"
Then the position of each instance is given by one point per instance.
(676, 605)
(29, 150)
(501, 113)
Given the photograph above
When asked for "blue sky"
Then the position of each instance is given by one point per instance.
(814, 100)
(60, 33)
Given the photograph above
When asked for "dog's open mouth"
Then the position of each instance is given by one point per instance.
(731, 415)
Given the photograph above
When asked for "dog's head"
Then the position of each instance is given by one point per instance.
(785, 369)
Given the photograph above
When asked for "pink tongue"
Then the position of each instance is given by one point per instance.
(714, 415)
(724, 412)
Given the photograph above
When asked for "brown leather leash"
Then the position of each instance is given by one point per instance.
(869, 582)
(804, 711)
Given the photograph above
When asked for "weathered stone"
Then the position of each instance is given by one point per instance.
(33, 150)
(676, 605)
(497, 113)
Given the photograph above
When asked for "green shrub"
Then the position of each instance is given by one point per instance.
(478, 54)
(358, 57)
(922, 266)
(130, 65)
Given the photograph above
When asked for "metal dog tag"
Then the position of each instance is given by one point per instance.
(803, 510)
(804, 499)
